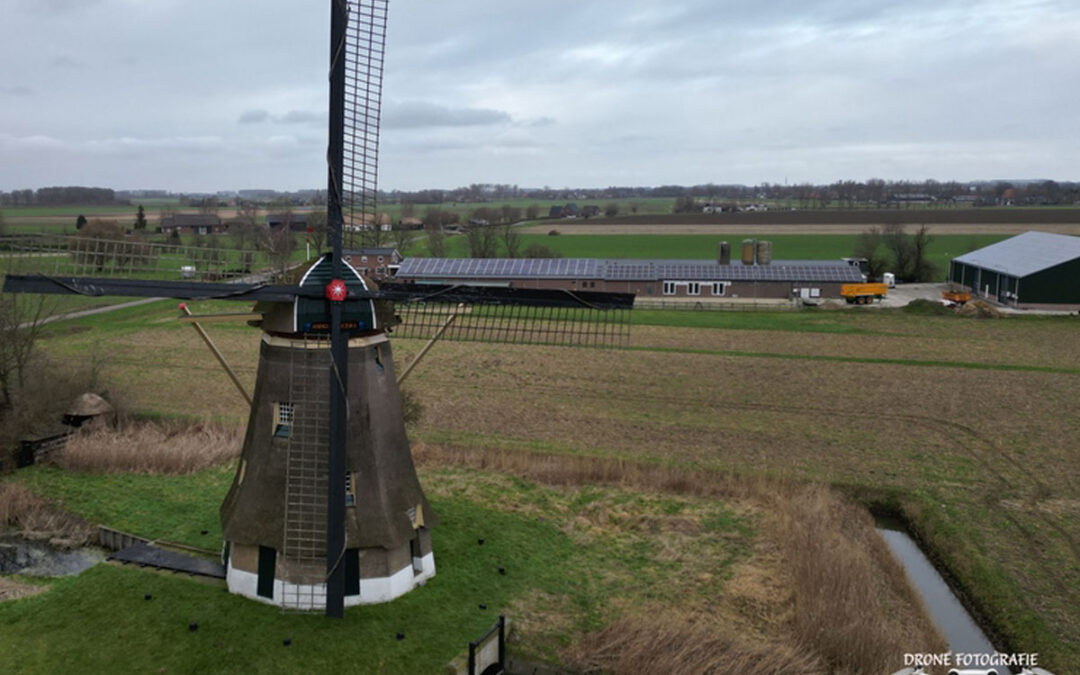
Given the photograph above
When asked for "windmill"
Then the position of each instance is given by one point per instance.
(325, 509)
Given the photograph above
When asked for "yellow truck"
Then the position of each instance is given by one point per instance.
(956, 297)
(863, 294)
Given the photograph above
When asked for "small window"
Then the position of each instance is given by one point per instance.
(693, 288)
(815, 292)
(718, 289)
(363, 258)
(348, 258)
(283, 419)
(669, 288)
(350, 492)
(380, 270)
(381, 259)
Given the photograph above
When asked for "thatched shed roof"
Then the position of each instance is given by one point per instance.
(89, 404)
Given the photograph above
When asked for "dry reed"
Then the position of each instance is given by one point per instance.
(660, 644)
(853, 603)
(152, 448)
(854, 610)
(34, 517)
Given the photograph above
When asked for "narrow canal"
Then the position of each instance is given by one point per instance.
(946, 611)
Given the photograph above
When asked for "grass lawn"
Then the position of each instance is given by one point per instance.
(576, 575)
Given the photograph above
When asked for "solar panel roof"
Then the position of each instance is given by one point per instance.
(625, 270)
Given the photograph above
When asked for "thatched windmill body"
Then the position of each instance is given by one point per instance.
(274, 518)
(325, 509)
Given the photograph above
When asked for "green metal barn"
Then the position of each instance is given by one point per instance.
(1032, 270)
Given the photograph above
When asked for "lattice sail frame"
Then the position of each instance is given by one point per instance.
(582, 326)
(56, 256)
(365, 47)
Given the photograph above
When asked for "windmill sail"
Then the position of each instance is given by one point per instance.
(364, 49)
(130, 257)
(325, 509)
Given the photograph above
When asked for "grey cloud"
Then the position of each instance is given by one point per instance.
(17, 90)
(419, 115)
(65, 62)
(260, 116)
(53, 6)
(254, 117)
(302, 117)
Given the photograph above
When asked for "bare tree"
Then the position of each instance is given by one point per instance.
(3, 224)
(482, 241)
(511, 240)
(279, 245)
(317, 225)
(246, 224)
(922, 270)
(909, 253)
(510, 214)
(208, 205)
(532, 212)
(611, 209)
(535, 250)
(401, 239)
(21, 321)
(868, 246)
(436, 240)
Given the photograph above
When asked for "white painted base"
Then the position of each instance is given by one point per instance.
(313, 597)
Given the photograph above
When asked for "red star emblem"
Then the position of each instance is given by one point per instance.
(336, 291)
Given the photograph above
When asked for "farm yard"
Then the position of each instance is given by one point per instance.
(706, 435)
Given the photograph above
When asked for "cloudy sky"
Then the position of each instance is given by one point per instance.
(230, 94)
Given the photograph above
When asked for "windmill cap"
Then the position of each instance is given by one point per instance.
(90, 404)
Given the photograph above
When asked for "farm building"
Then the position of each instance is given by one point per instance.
(192, 223)
(699, 279)
(1034, 269)
(296, 222)
(377, 263)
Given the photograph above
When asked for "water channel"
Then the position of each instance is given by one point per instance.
(946, 611)
(19, 555)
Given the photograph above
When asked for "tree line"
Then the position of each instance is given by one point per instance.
(841, 193)
(61, 196)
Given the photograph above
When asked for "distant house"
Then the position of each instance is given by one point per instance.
(911, 198)
(555, 212)
(367, 222)
(377, 263)
(590, 211)
(410, 223)
(296, 222)
(571, 210)
(192, 223)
